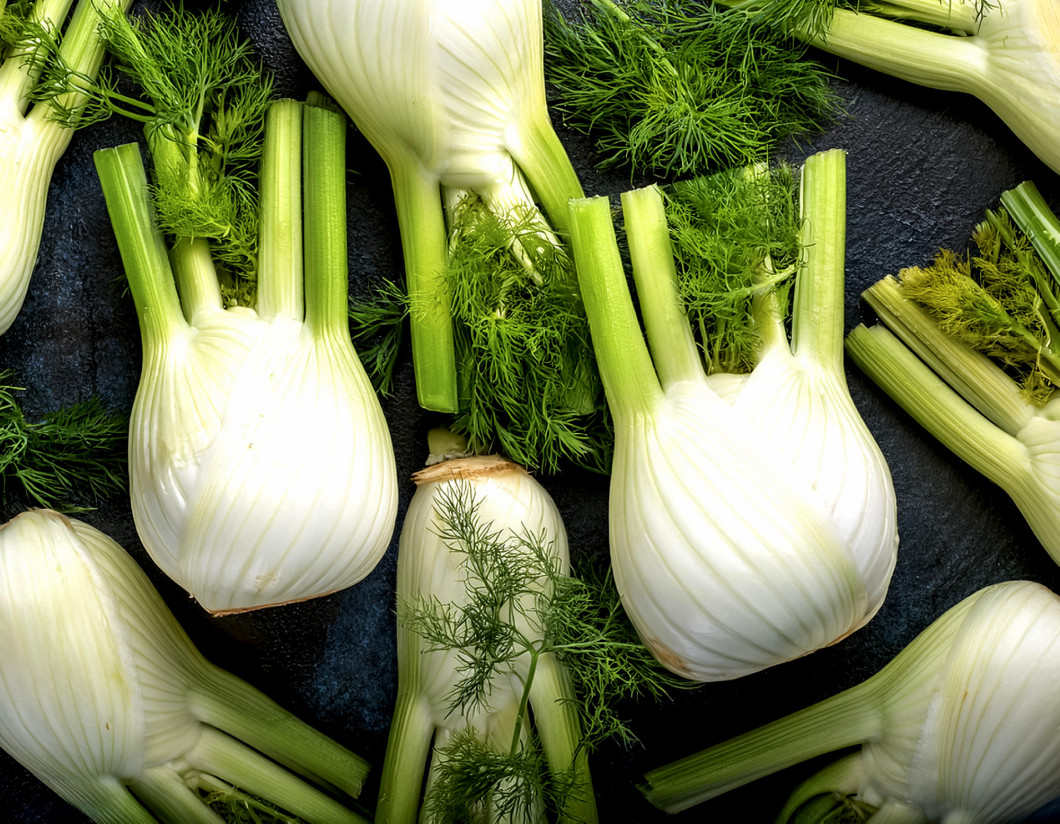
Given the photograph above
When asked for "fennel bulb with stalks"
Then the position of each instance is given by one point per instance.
(106, 700)
(481, 546)
(452, 97)
(32, 140)
(752, 516)
(261, 465)
(959, 727)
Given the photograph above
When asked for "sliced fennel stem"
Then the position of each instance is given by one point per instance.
(279, 291)
(408, 745)
(232, 705)
(935, 406)
(626, 368)
(818, 310)
(843, 720)
(421, 223)
(143, 250)
(220, 755)
(673, 348)
(326, 259)
(970, 374)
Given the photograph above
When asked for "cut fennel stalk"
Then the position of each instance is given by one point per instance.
(959, 727)
(31, 139)
(261, 465)
(752, 517)
(106, 700)
(962, 396)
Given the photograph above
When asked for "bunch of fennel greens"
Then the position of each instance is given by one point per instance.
(968, 346)
(106, 700)
(451, 95)
(70, 458)
(508, 662)
(752, 515)
(32, 139)
(681, 89)
(1004, 52)
(959, 727)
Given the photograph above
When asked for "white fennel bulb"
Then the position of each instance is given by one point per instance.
(106, 700)
(752, 517)
(480, 531)
(960, 727)
(451, 93)
(261, 465)
(32, 138)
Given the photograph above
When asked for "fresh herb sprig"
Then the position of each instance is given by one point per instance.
(71, 458)
(521, 606)
(681, 89)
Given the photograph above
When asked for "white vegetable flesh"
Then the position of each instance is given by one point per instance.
(107, 701)
(752, 519)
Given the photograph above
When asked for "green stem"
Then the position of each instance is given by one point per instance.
(423, 242)
(843, 777)
(167, 795)
(817, 315)
(844, 720)
(936, 407)
(673, 349)
(106, 801)
(196, 275)
(522, 711)
(219, 755)
(622, 356)
(957, 15)
(1035, 219)
(326, 257)
(544, 161)
(143, 250)
(280, 271)
(234, 706)
(971, 374)
(938, 61)
(407, 748)
(17, 74)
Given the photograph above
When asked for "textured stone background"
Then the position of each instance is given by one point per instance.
(922, 167)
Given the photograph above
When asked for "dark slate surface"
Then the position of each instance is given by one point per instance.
(922, 168)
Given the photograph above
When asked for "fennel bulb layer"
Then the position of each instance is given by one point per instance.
(106, 700)
(472, 524)
(753, 517)
(959, 727)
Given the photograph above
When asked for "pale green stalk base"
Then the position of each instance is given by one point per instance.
(844, 720)
(843, 776)
(408, 745)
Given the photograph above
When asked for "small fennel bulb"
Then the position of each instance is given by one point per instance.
(261, 465)
(959, 727)
(968, 347)
(752, 517)
(31, 139)
(452, 96)
(106, 700)
(479, 546)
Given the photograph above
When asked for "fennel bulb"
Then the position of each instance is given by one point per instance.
(959, 727)
(481, 546)
(261, 465)
(752, 517)
(106, 700)
(31, 139)
(968, 347)
(452, 96)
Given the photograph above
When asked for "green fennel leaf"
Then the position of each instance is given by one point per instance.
(70, 459)
(681, 89)
(378, 330)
